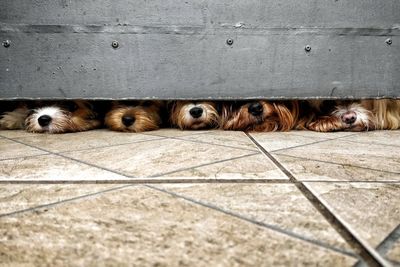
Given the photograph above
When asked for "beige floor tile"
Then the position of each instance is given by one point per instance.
(147, 228)
(329, 135)
(371, 209)
(306, 170)
(224, 138)
(391, 138)
(249, 167)
(51, 167)
(394, 253)
(171, 132)
(17, 197)
(157, 157)
(83, 140)
(282, 140)
(10, 149)
(279, 205)
(16, 133)
(370, 156)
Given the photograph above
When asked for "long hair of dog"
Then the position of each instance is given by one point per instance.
(387, 113)
(14, 118)
(180, 115)
(146, 116)
(68, 116)
(275, 116)
(326, 116)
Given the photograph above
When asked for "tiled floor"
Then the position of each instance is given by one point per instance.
(200, 198)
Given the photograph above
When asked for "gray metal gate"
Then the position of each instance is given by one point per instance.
(220, 49)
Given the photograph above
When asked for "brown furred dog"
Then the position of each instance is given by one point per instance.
(13, 115)
(387, 113)
(194, 115)
(62, 117)
(135, 116)
(337, 115)
(260, 116)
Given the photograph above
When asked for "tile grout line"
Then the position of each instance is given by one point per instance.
(70, 151)
(192, 201)
(335, 163)
(206, 164)
(52, 204)
(366, 252)
(120, 173)
(143, 181)
(24, 157)
(259, 223)
(214, 144)
(386, 244)
(112, 189)
(389, 240)
(313, 143)
(55, 203)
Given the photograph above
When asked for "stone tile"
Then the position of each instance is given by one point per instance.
(16, 133)
(249, 167)
(10, 149)
(307, 170)
(157, 157)
(51, 167)
(372, 210)
(369, 156)
(329, 135)
(171, 132)
(390, 138)
(17, 197)
(224, 138)
(164, 230)
(394, 253)
(281, 140)
(278, 205)
(83, 140)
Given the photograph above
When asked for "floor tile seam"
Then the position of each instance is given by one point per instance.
(144, 181)
(107, 169)
(367, 253)
(79, 150)
(70, 158)
(371, 143)
(271, 227)
(193, 134)
(389, 241)
(206, 164)
(208, 143)
(313, 143)
(351, 181)
(56, 203)
(23, 157)
(384, 247)
(336, 163)
(108, 146)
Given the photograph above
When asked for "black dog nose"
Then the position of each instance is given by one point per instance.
(255, 108)
(349, 117)
(44, 120)
(196, 112)
(128, 120)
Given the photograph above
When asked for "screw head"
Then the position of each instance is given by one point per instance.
(307, 48)
(229, 41)
(6, 43)
(388, 41)
(114, 44)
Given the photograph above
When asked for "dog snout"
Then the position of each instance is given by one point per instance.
(349, 117)
(196, 112)
(128, 120)
(44, 120)
(255, 109)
